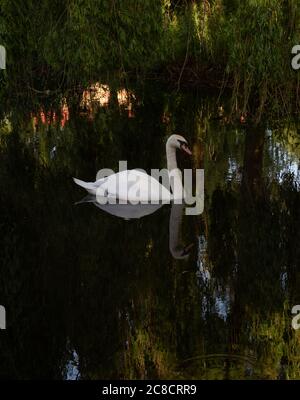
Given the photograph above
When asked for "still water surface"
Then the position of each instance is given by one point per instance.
(90, 295)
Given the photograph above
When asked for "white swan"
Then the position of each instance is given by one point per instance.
(138, 187)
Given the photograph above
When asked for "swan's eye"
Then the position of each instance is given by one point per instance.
(184, 146)
(181, 143)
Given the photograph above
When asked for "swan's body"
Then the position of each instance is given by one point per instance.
(135, 186)
(130, 185)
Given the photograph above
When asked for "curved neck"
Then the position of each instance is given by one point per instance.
(174, 173)
(171, 157)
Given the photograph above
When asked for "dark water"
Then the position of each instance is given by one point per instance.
(89, 295)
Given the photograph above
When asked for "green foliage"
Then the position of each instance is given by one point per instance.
(259, 46)
(66, 44)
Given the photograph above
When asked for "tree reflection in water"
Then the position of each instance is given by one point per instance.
(84, 288)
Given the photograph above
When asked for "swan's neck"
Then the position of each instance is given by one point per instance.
(171, 157)
(174, 173)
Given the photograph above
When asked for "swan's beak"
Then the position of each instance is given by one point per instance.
(185, 148)
(187, 249)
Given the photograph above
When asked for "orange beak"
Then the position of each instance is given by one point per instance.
(185, 148)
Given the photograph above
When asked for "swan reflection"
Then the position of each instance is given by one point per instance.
(136, 211)
(127, 211)
(177, 249)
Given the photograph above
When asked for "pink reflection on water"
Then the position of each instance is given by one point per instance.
(96, 95)
(51, 117)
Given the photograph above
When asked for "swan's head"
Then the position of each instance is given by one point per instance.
(179, 142)
(181, 252)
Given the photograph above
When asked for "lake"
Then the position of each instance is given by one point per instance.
(89, 295)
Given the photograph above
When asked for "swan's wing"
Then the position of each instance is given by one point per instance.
(135, 186)
(91, 187)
